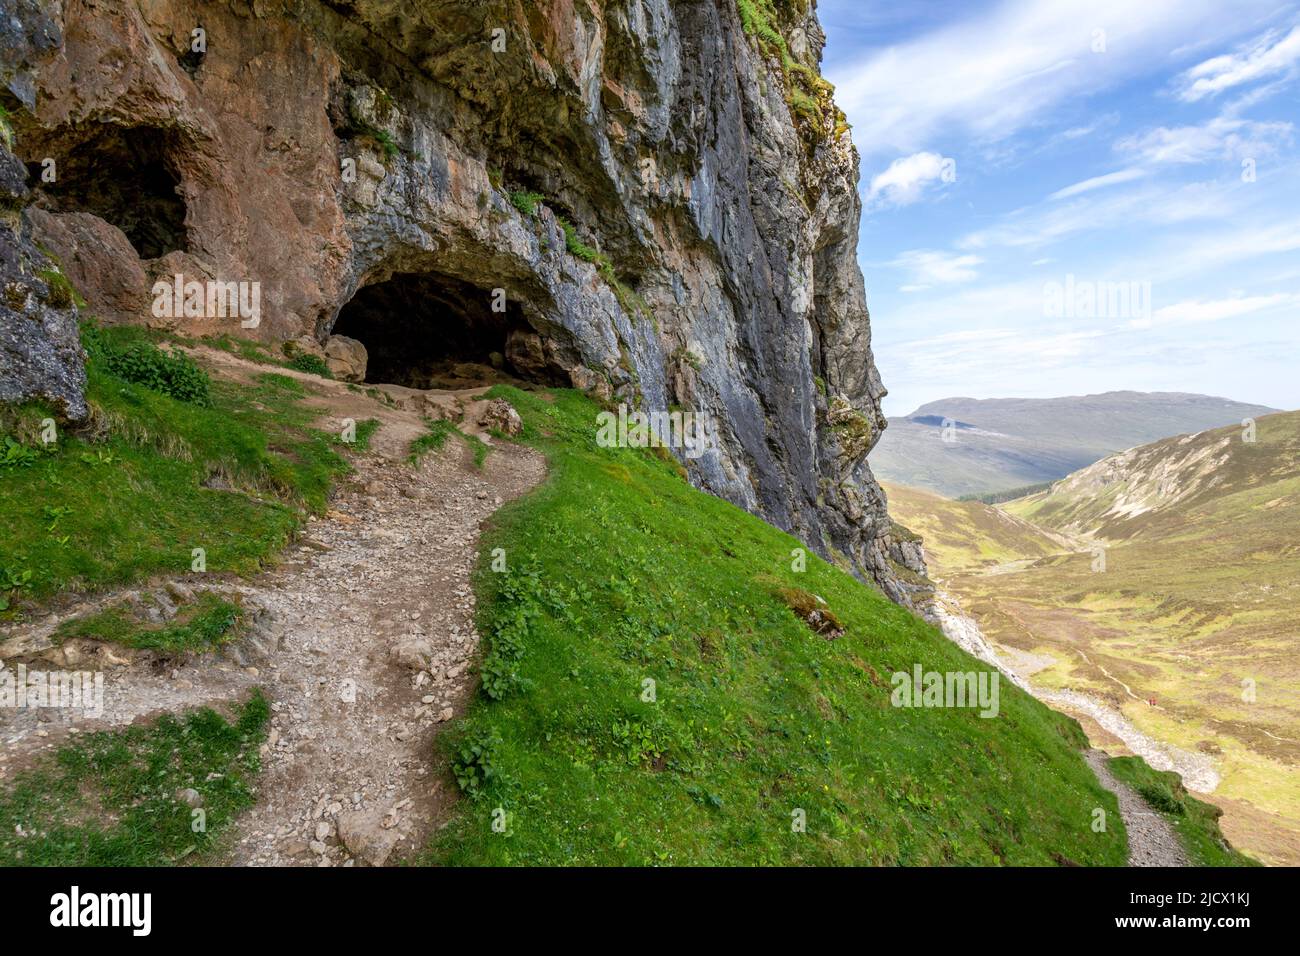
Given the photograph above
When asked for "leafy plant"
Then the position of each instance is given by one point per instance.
(474, 762)
(171, 373)
(17, 455)
(526, 202)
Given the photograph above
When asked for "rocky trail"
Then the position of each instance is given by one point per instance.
(362, 639)
(1151, 840)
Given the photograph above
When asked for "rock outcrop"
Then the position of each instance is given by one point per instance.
(40, 348)
(652, 200)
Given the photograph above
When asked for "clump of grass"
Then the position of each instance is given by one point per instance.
(365, 431)
(656, 701)
(283, 382)
(113, 798)
(437, 435)
(311, 364)
(432, 440)
(1195, 821)
(207, 623)
(62, 294)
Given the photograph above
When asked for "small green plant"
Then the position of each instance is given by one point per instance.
(14, 454)
(171, 373)
(311, 364)
(578, 248)
(526, 202)
(474, 762)
(13, 581)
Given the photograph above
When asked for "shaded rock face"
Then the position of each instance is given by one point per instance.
(40, 347)
(628, 186)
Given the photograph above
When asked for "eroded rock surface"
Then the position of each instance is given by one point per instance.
(665, 213)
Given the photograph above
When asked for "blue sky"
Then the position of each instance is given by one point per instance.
(1023, 159)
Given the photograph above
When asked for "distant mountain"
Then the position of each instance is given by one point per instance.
(968, 446)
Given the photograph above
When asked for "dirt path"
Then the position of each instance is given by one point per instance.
(362, 638)
(1151, 840)
(378, 650)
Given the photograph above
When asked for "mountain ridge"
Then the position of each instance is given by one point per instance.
(965, 446)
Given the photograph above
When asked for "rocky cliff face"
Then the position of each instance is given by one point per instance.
(662, 189)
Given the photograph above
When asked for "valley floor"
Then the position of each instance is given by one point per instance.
(1131, 652)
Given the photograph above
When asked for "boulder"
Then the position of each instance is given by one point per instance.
(346, 358)
(364, 835)
(414, 653)
(501, 416)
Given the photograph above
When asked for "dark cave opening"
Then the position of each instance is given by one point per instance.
(125, 177)
(427, 330)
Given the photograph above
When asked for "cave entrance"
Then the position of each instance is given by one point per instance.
(125, 177)
(427, 330)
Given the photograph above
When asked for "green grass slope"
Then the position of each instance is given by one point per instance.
(650, 697)
(155, 477)
(116, 798)
(1194, 821)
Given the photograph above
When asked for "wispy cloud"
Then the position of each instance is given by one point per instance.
(1220, 138)
(1267, 56)
(928, 267)
(907, 178)
(1098, 182)
(997, 71)
(1215, 310)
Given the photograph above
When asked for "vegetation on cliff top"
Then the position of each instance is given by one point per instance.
(652, 697)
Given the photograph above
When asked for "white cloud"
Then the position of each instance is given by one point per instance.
(1266, 56)
(1151, 203)
(1097, 182)
(906, 178)
(929, 267)
(1214, 310)
(1220, 138)
(993, 73)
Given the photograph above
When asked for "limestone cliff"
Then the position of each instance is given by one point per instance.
(663, 189)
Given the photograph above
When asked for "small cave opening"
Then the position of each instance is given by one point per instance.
(123, 175)
(432, 331)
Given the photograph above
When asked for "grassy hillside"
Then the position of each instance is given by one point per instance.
(620, 575)
(224, 467)
(1194, 607)
(1005, 443)
(966, 535)
(1195, 821)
